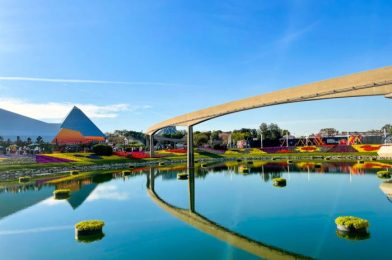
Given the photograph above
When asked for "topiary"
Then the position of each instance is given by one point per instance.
(384, 174)
(350, 223)
(103, 149)
(88, 228)
(280, 182)
(61, 193)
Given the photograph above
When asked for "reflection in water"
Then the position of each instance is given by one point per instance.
(203, 224)
(26, 195)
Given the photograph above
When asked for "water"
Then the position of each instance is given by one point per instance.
(237, 213)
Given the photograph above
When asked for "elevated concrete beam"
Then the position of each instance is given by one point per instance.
(369, 83)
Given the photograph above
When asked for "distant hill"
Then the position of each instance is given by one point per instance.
(13, 125)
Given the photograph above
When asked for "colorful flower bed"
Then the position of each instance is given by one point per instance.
(50, 159)
(134, 155)
(367, 147)
(74, 157)
(342, 149)
(307, 149)
(278, 149)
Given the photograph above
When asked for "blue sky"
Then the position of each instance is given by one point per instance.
(130, 64)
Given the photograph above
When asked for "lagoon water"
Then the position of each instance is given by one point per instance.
(231, 204)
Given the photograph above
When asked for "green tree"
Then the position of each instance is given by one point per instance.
(387, 128)
(39, 140)
(272, 131)
(200, 138)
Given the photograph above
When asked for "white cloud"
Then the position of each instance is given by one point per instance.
(108, 192)
(87, 81)
(52, 202)
(56, 112)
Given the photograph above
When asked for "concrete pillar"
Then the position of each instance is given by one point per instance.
(191, 181)
(190, 152)
(151, 137)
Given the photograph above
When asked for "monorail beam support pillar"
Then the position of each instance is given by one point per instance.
(190, 150)
(151, 141)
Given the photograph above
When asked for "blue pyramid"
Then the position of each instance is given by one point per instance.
(78, 121)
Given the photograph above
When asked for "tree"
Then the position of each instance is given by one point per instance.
(272, 131)
(28, 140)
(387, 128)
(200, 138)
(39, 140)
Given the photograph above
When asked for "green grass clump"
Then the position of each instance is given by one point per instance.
(182, 176)
(73, 173)
(279, 182)
(24, 179)
(61, 193)
(384, 174)
(352, 223)
(90, 225)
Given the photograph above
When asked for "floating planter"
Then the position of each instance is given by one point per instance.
(279, 182)
(74, 172)
(61, 194)
(327, 158)
(203, 165)
(239, 160)
(89, 230)
(161, 163)
(351, 224)
(249, 162)
(244, 170)
(125, 173)
(289, 161)
(24, 179)
(361, 161)
(383, 174)
(182, 176)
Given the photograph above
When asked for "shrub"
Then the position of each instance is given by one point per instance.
(61, 193)
(352, 223)
(24, 179)
(90, 225)
(103, 149)
(89, 229)
(281, 182)
(384, 174)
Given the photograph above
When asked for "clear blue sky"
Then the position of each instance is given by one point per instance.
(130, 64)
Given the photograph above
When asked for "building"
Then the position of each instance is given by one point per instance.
(77, 128)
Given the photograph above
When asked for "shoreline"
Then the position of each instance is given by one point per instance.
(36, 171)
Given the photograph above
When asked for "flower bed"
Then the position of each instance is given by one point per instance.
(307, 149)
(367, 147)
(343, 149)
(50, 159)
